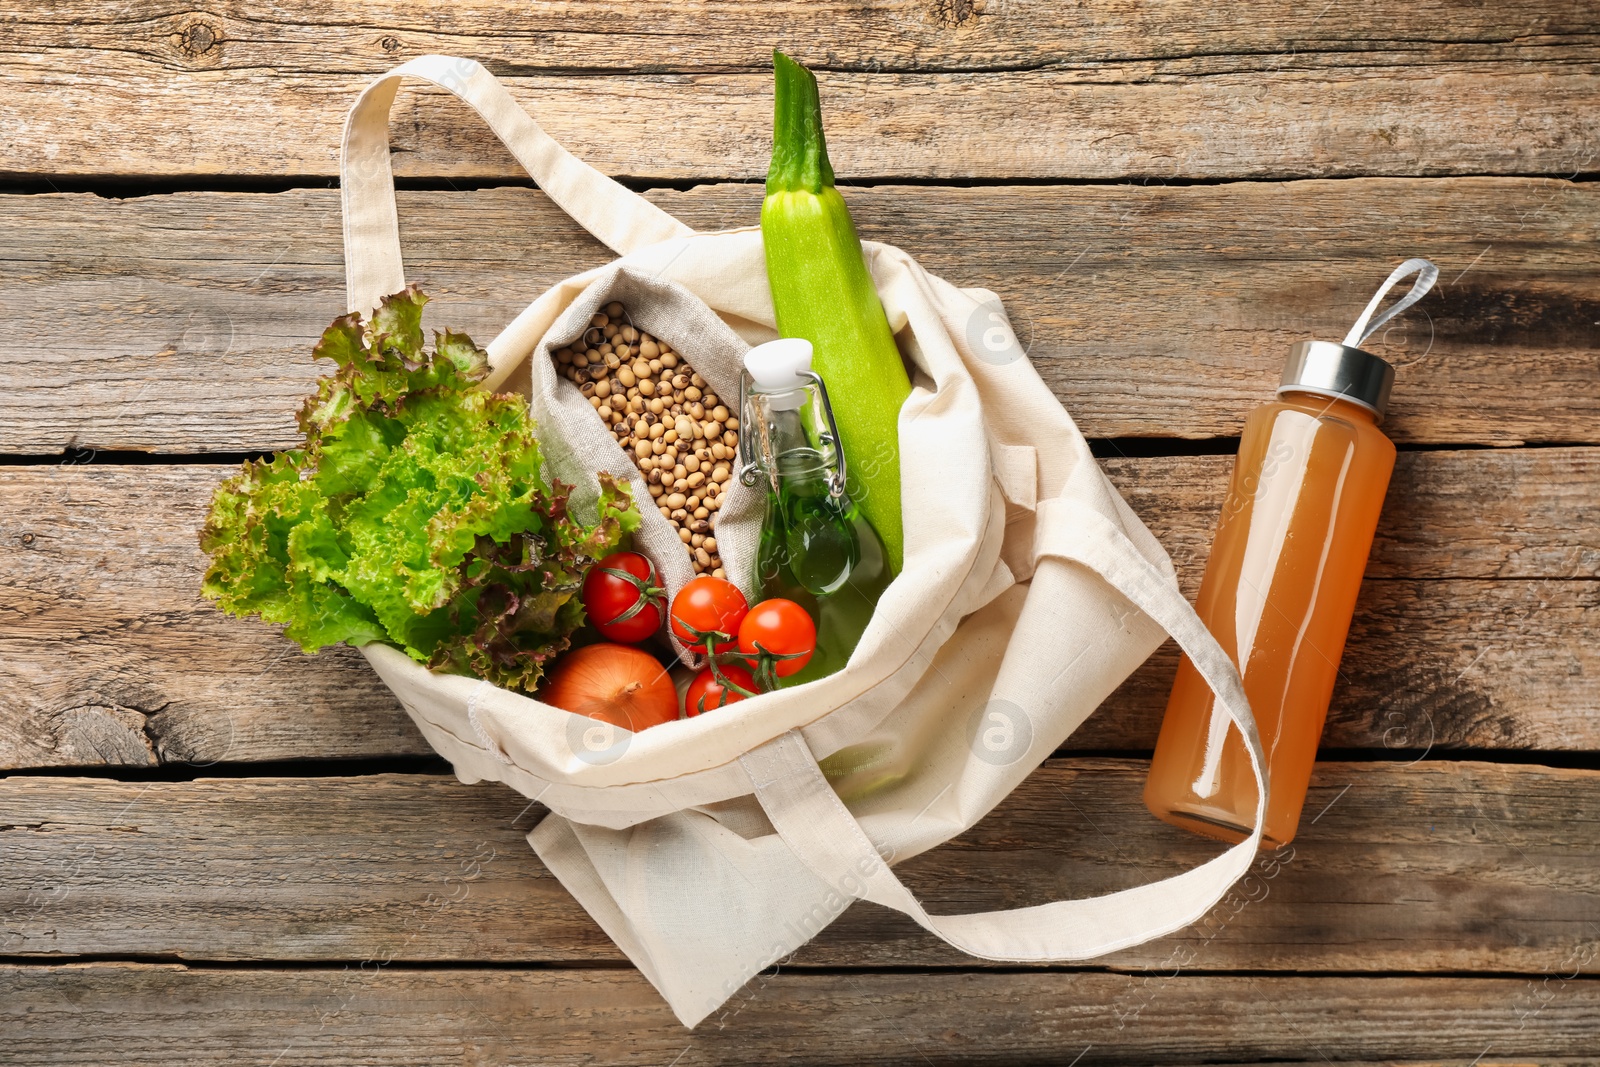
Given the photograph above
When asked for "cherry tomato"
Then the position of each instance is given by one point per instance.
(705, 608)
(708, 693)
(623, 597)
(778, 634)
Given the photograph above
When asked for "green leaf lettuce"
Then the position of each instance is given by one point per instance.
(415, 515)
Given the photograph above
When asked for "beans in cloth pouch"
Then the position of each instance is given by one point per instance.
(663, 413)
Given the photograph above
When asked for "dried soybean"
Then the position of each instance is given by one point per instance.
(664, 415)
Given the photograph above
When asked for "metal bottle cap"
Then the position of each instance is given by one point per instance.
(1335, 370)
(1345, 370)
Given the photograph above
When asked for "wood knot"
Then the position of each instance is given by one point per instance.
(390, 44)
(199, 39)
(954, 13)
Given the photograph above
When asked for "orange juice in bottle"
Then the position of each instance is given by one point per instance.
(1281, 584)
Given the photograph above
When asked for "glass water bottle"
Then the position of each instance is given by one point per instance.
(816, 547)
(1281, 585)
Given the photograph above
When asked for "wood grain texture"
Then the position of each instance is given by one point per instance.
(658, 36)
(183, 323)
(1431, 866)
(1510, 513)
(108, 643)
(1466, 637)
(127, 1013)
(942, 89)
(1447, 664)
(402, 919)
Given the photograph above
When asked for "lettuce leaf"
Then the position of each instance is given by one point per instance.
(416, 513)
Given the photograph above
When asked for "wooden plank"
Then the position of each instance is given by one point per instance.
(950, 91)
(1512, 513)
(119, 661)
(141, 1014)
(196, 686)
(1446, 664)
(658, 36)
(1439, 522)
(183, 323)
(1464, 639)
(1433, 866)
(1112, 122)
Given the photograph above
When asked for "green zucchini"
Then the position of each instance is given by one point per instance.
(822, 291)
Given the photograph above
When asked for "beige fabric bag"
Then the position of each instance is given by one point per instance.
(712, 847)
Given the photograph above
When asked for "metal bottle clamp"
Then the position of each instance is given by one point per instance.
(750, 466)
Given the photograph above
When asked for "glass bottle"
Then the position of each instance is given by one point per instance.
(1281, 585)
(816, 547)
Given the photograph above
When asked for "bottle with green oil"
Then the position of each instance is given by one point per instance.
(816, 547)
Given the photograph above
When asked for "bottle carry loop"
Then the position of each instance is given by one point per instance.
(1426, 273)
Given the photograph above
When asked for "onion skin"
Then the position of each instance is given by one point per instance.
(618, 684)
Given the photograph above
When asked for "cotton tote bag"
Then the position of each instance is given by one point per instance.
(712, 847)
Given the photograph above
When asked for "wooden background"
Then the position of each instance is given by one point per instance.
(216, 850)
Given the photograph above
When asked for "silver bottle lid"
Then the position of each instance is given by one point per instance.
(1334, 370)
(1347, 371)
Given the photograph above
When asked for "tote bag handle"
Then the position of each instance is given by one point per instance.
(619, 217)
(812, 821)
